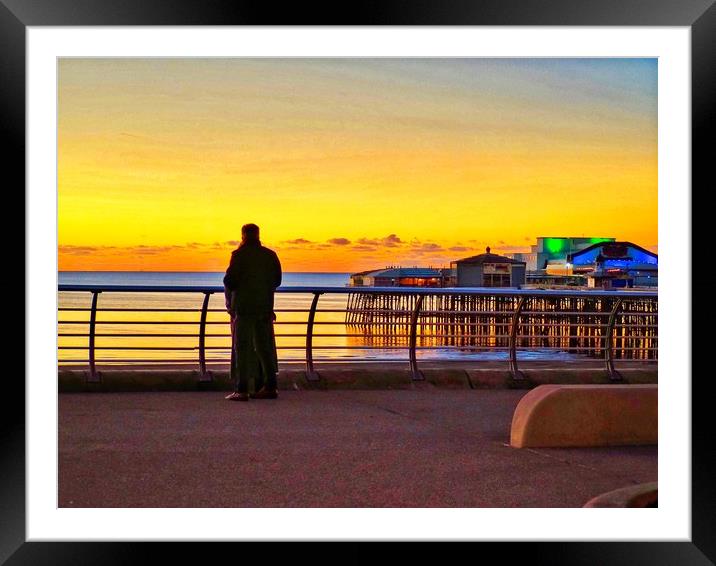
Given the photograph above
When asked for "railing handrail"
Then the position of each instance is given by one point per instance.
(496, 291)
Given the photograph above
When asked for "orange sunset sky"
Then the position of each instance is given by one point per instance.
(349, 164)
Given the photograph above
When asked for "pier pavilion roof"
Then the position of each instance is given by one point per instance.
(364, 272)
(627, 251)
(488, 257)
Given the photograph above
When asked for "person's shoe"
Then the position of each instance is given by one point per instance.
(264, 393)
(237, 397)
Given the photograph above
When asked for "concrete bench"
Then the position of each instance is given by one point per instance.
(586, 415)
(642, 495)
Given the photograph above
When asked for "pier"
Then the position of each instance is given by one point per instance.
(583, 323)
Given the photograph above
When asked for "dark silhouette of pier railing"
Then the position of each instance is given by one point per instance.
(608, 325)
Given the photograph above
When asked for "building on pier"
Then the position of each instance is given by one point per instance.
(399, 277)
(484, 270)
(612, 265)
(549, 255)
(487, 270)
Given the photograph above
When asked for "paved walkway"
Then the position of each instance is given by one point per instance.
(410, 448)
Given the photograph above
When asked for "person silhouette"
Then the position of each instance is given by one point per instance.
(253, 275)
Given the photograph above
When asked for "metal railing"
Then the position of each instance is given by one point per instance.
(468, 320)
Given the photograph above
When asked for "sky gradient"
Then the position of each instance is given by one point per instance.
(349, 164)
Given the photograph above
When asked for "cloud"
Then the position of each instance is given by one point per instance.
(458, 249)
(368, 241)
(427, 247)
(297, 241)
(78, 250)
(140, 249)
(390, 241)
(151, 250)
(339, 241)
(364, 248)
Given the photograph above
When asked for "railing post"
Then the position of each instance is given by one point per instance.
(516, 374)
(416, 373)
(204, 375)
(311, 373)
(93, 376)
(614, 375)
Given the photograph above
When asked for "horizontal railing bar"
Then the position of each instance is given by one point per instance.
(394, 312)
(459, 312)
(168, 348)
(124, 361)
(566, 324)
(278, 335)
(103, 335)
(121, 364)
(521, 337)
(99, 322)
(422, 314)
(308, 310)
(492, 324)
(111, 309)
(364, 335)
(194, 322)
(457, 291)
(480, 347)
(226, 361)
(228, 348)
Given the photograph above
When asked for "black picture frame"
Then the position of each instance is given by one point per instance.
(698, 15)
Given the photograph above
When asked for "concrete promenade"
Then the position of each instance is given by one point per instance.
(419, 447)
(368, 375)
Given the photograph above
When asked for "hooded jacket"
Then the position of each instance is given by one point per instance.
(253, 275)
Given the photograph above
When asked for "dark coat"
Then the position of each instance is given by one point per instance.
(253, 274)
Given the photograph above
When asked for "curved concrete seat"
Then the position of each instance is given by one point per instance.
(642, 495)
(586, 415)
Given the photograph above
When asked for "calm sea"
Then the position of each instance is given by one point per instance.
(166, 329)
(189, 278)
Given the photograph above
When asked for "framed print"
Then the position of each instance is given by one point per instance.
(358, 143)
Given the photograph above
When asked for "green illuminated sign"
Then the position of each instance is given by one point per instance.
(560, 247)
(555, 246)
